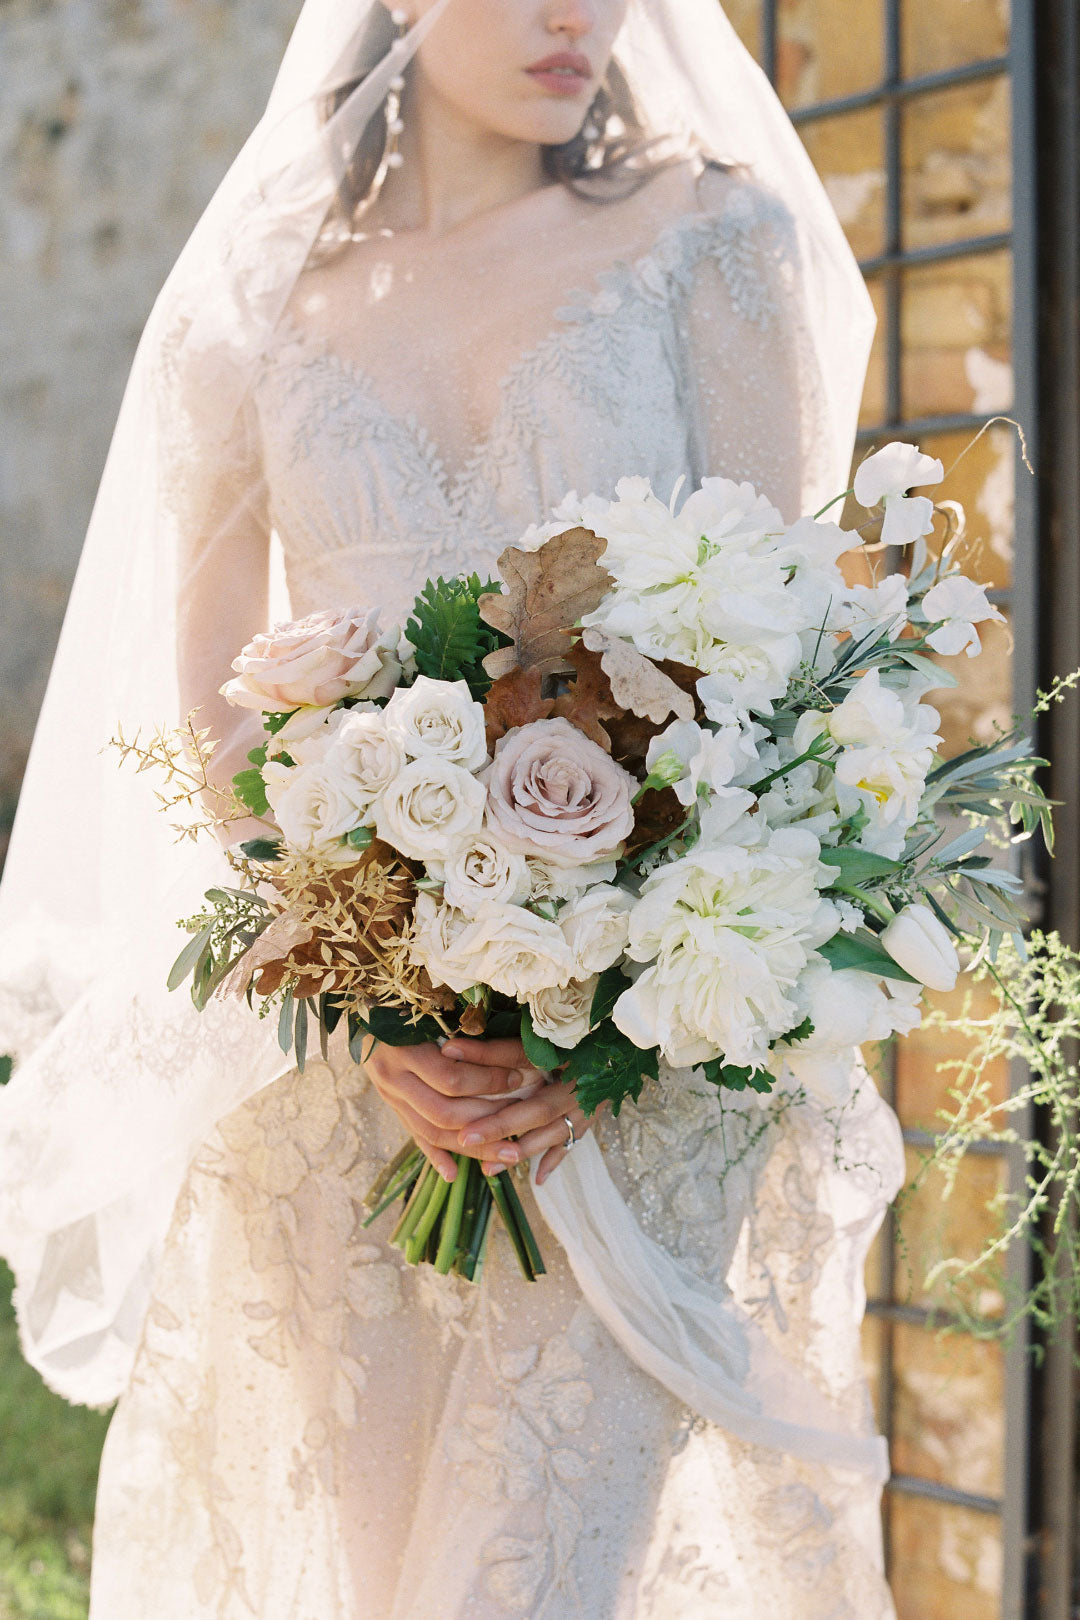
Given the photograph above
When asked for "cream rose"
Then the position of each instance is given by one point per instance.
(552, 792)
(315, 662)
(595, 926)
(364, 758)
(514, 951)
(561, 1014)
(480, 869)
(552, 880)
(429, 807)
(438, 719)
(436, 930)
(313, 808)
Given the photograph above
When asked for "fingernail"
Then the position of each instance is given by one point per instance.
(514, 1079)
(452, 1051)
(508, 1155)
(472, 1140)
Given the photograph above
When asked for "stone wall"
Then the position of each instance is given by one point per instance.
(117, 118)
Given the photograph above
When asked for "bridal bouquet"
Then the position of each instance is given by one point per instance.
(669, 790)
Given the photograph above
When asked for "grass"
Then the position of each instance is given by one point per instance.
(49, 1454)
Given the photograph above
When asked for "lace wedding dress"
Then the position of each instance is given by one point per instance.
(315, 1431)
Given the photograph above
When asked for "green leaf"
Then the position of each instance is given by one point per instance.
(449, 637)
(541, 1053)
(392, 1027)
(189, 956)
(257, 756)
(300, 1033)
(360, 837)
(7, 1063)
(262, 849)
(858, 865)
(726, 1076)
(609, 988)
(251, 790)
(273, 723)
(608, 1067)
(801, 1032)
(285, 1023)
(862, 951)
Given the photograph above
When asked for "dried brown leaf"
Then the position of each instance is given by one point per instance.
(473, 1020)
(547, 592)
(636, 683)
(588, 702)
(515, 700)
(273, 948)
(657, 813)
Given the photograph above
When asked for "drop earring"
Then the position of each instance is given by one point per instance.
(392, 157)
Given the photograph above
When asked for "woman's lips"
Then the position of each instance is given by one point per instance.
(564, 73)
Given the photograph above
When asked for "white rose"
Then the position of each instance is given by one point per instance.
(957, 605)
(553, 881)
(364, 758)
(595, 927)
(919, 944)
(313, 808)
(885, 477)
(479, 869)
(514, 951)
(438, 719)
(561, 1014)
(436, 930)
(429, 807)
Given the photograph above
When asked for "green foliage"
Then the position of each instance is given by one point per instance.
(392, 1026)
(273, 723)
(220, 938)
(450, 638)
(542, 1054)
(262, 849)
(801, 1032)
(6, 1066)
(251, 790)
(727, 1076)
(862, 950)
(609, 988)
(609, 1068)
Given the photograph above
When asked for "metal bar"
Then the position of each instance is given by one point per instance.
(958, 248)
(894, 211)
(769, 39)
(961, 422)
(900, 89)
(924, 1316)
(912, 1485)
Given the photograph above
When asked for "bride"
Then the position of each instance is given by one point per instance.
(478, 254)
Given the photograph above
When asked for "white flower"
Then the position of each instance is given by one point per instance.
(885, 477)
(569, 514)
(514, 951)
(313, 808)
(959, 604)
(561, 1013)
(726, 933)
(919, 943)
(847, 1008)
(479, 869)
(438, 719)
(889, 744)
(881, 608)
(429, 807)
(551, 880)
(436, 930)
(363, 758)
(704, 759)
(595, 926)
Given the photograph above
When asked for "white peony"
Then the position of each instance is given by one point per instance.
(957, 605)
(429, 807)
(726, 933)
(479, 869)
(847, 1008)
(514, 951)
(888, 743)
(313, 807)
(438, 720)
(561, 1013)
(595, 926)
(885, 477)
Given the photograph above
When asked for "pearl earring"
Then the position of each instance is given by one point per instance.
(392, 158)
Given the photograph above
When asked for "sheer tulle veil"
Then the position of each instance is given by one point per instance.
(117, 1081)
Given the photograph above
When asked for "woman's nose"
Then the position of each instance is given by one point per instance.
(572, 17)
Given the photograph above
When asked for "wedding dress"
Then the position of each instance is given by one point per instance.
(313, 1430)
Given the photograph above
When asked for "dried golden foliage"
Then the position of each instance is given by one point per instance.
(183, 755)
(547, 592)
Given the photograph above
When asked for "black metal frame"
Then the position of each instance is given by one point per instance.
(1042, 66)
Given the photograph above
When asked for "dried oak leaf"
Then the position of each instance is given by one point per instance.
(515, 700)
(636, 683)
(657, 813)
(547, 592)
(588, 702)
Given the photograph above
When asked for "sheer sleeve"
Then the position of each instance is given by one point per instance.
(756, 404)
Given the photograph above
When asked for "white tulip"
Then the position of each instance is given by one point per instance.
(919, 944)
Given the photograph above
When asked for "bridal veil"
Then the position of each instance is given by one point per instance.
(117, 1081)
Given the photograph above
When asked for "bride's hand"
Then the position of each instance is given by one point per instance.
(436, 1097)
(537, 1123)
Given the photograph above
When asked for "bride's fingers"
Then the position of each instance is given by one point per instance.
(551, 1161)
(549, 1103)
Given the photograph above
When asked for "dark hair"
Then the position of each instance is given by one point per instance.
(611, 156)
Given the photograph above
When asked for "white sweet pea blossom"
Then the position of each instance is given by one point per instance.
(725, 934)
(885, 477)
(919, 943)
(438, 719)
(882, 608)
(957, 605)
(887, 748)
(695, 759)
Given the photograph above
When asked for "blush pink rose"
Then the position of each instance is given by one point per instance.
(552, 792)
(315, 662)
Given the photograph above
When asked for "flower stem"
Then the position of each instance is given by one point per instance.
(414, 1208)
(417, 1242)
(450, 1235)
